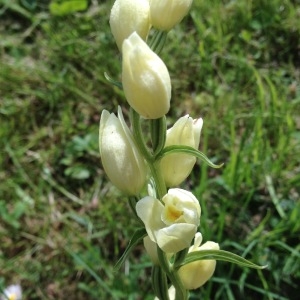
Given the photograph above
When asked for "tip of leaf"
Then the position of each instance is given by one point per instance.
(216, 166)
(264, 267)
(112, 81)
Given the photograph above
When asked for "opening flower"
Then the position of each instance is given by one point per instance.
(173, 223)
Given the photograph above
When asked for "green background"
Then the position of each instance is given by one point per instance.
(63, 226)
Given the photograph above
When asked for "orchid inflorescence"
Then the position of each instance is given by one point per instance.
(170, 218)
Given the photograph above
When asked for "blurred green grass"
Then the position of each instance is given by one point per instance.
(62, 224)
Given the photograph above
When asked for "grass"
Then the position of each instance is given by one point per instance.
(62, 224)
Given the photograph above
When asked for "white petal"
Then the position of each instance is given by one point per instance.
(197, 127)
(176, 237)
(209, 246)
(186, 201)
(149, 210)
(104, 117)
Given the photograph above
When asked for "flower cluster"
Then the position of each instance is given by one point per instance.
(171, 217)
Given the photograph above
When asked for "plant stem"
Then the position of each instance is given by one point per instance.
(138, 135)
(154, 166)
(161, 190)
(181, 292)
(160, 186)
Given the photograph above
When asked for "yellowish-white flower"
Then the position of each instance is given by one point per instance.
(128, 16)
(165, 14)
(175, 167)
(121, 159)
(195, 274)
(173, 223)
(145, 78)
(12, 292)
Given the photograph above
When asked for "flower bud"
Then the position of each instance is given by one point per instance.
(128, 16)
(121, 159)
(195, 274)
(172, 225)
(145, 78)
(175, 167)
(165, 14)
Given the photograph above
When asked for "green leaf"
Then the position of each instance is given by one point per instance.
(158, 134)
(180, 256)
(80, 262)
(67, 7)
(159, 283)
(136, 238)
(158, 41)
(220, 255)
(112, 81)
(187, 150)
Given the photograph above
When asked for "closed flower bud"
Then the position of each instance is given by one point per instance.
(177, 167)
(145, 78)
(173, 224)
(195, 274)
(165, 14)
(128, 16)
(121, 159)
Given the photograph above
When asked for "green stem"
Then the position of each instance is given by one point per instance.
(154, 166)
(181, 292)
(137, 133)
(160, 186)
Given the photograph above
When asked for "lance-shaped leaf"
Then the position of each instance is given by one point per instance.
(159, 283)
(220, 255)
(136, 238)
(112, 81)
(158, 134)
(187, 150)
